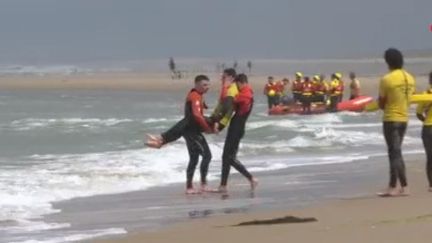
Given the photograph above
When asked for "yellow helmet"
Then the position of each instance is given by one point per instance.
(316, 77)
(299, 74)
(271, 93)
(338, 75)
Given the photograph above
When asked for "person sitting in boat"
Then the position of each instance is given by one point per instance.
(307, 95)
(297, 86)
(270, 91)
(335, 91)
(354, 86)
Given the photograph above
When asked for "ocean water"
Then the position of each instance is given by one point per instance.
(60, 145)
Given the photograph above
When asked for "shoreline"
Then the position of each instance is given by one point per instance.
(361, 218)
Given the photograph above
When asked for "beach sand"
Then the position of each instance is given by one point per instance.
(360, 219)
(149, 81)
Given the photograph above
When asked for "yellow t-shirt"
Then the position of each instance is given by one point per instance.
(426, 110)
(396, 88)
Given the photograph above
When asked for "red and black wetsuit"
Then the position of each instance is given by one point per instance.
(243, 106)
(191, 128)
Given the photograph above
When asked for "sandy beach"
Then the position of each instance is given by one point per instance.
(148, 81)
(360, 219)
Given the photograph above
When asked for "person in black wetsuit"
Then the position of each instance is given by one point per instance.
(191, 128)
(242, 104)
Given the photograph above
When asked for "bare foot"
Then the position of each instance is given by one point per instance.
(253, 183)
(153, 144)
(191, 191)
(205, 188)
(389, 192)
(154, 137)
(222, 189)
(404, 191)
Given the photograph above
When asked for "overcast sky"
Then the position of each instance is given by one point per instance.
(143, 29)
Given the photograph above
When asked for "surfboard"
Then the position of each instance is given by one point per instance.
(415, 99)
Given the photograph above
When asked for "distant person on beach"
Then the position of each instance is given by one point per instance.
(191, 128)
(395, 91)
(424, 113)
(240, 99)
(354, 86)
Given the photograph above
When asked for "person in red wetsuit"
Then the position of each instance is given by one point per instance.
(191, 128)
(243, 104)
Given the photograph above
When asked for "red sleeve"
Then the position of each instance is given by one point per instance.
(197, 111)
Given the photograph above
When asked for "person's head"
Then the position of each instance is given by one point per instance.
(298, 76)
(228, 75)
(202, 83)
(285, 81)
(394, 59)
(270, 79)
(352, 75)
(306, 79)
(316, 78)
(241, 80)
(337, 76)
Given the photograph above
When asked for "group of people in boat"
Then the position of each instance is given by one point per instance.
(306, 90)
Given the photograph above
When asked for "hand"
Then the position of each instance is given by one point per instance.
(216, 127)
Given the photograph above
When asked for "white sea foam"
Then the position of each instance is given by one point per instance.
(37, 123)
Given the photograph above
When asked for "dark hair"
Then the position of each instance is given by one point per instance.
(230, 72)
(393, 58)
(200, 78)
(241, 78)
(270, 77)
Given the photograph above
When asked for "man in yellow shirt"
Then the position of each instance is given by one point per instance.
(424, 113)
(395, 92)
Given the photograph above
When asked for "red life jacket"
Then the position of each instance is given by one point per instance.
(244, 100)
(268, 87)
(297, 86)
(308, 88)
(194, 110)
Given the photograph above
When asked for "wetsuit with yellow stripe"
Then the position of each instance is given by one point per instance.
(225, 107)
(395, 93)
(424, 113)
